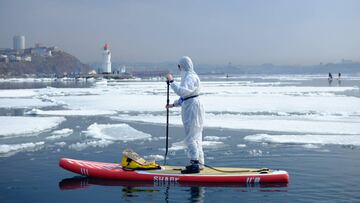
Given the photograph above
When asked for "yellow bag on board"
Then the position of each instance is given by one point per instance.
(131, 160)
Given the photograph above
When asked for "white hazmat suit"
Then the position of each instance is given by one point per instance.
(192, 111)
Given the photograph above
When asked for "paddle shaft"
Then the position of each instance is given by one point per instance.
(167, 120)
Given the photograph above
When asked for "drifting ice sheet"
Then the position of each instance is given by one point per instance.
(221, 98)
(206, 144)
(121, 132)
(24, 103)
(306, 139)
(17, 93)
(70, 112)
(57, 134)
(106, 134)
(155, 157)
(11, 149)
(17, 125)
(90, 143)
(264, 123)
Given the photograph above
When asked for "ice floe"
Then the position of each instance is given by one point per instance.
(155, 157)
(306, 139)
(56, 92)
(24, 103)
(330, 125)
(281, 103)
(214, 138)
(17, 125)
(121, 132)
(57, 134)
(101, 83)
(177, 146)
(216, 97)
(206, 144)
(241, 145)
(287, 124)
(278, 106)
(60, 144)
(11, 149)
(219, 99)
(212, 144)
(103, 135)
(235, 88)
(311, 146)
(81, 112)
(17, 93)
(256, 152)
(90, 143)
(115, 101)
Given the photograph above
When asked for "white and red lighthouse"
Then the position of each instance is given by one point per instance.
(106, 64)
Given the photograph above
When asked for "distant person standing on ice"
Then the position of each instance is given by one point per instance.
(330, 78)
(192, 112)
(339, 79)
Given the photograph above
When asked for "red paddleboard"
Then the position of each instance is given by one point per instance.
(172, 174)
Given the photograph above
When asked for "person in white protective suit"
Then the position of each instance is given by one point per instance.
(192, 112)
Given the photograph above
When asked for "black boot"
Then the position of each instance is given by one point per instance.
(193, 168)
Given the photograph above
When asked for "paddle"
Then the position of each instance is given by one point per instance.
(167, 120)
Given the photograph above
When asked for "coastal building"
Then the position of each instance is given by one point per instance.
(26, 58)
(4, 58)
(106, 63)
(14, 58)
(41, 51)
(8, 52)
(19, 53)
(19, 42)
(123, 69)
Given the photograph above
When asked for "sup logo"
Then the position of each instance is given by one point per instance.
(161, 180)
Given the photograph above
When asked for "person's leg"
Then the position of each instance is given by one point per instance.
(199, 146)
(192, 143)
(201, 154)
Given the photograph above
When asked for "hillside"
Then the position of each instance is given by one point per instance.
(60, 62)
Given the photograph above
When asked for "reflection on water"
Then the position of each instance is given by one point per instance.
(197, 194)
(196, 191)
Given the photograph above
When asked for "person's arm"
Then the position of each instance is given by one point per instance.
(183, 91)
(169, 80)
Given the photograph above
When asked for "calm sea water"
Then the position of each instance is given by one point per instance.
(329, 173)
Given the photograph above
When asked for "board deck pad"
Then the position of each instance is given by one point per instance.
(173, 173)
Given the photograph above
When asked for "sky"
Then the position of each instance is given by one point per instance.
(252, 32)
